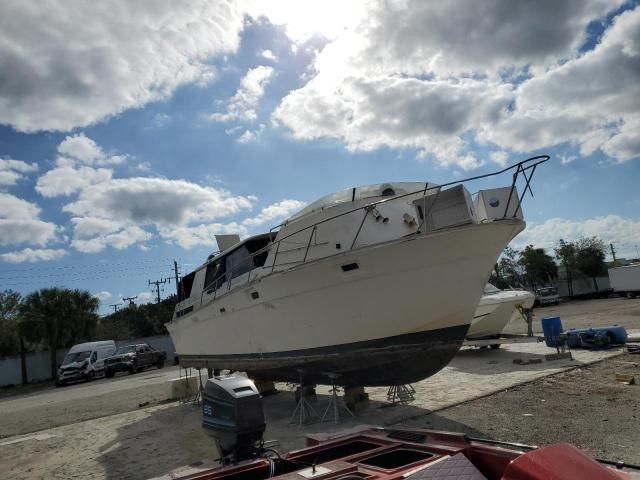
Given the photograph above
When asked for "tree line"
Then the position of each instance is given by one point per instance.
(534, 267)
(54, 318)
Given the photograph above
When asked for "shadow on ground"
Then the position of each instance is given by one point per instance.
(491, 362)
(173, 437)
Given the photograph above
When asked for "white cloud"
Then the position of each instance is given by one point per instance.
(303, 20)
(156, 201)
(83, 149)
(12, 170)
(113, 213)
(103, 295)
(249, 136)
(200, 235)
(145, 297)
(610, 228)
(429, 76)
(277, 211)
(68, 180)
(416, 37)
(369, 113)
(20, 223)
(120, 239)
(499, 157)
(592, 100)
(269, 55)
(74, 63)
(160, 119)
(32, 256)
(242, 105)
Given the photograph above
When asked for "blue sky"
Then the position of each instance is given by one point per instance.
(125, 144)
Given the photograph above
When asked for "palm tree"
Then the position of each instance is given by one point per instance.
(57, 317)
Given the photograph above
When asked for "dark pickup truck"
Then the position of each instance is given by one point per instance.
(134, 358)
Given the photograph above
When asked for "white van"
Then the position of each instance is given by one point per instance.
(85, 361)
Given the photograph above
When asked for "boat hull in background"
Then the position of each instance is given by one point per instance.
(496, 310)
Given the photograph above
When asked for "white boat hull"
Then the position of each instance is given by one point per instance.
(395, 319)
(495, 311)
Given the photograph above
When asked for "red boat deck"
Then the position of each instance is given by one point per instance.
(379, 454)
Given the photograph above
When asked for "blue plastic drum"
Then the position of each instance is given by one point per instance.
(552, 331)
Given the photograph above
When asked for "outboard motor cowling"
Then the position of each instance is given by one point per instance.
(232, 413)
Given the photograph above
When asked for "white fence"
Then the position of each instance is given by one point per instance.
(39, 365)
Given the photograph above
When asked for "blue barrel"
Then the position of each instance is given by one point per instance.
(552, 331)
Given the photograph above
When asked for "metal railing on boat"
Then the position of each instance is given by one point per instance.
(525, 168)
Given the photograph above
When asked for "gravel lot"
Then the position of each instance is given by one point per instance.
(99, 431)
(585, 313)
(51, 407)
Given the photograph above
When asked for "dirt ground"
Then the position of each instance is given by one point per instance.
(109, 436)
(585, 407)
(585, 313)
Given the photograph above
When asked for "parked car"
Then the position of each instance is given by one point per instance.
(84, 361)
(134, 358)
(547, 296)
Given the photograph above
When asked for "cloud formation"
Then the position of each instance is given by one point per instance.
(241, 107)
(610, 228)
(74, 63)
(33, 255)
(20, 223)
(13, 170)
(431, 77)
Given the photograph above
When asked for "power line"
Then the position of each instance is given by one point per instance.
(115, 306)
(130, 300)
(157, 283)
(82, 266)
(175, 272)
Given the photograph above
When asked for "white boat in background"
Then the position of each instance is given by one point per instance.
(377, 284)
(496, 309)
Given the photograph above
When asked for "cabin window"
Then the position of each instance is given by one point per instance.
(184, 286)
(215, 275)
(256, 246)
(239, 261)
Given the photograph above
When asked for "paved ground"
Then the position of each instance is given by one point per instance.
(154, 439)
(82, 401)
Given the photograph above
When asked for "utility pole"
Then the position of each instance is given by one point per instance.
(115, 307)
(157, 283)
(130, 300)
(613, 252)
(175, 272)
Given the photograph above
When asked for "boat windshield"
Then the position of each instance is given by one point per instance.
(359, 193)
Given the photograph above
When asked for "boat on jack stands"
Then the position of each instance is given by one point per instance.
(495, 310)
(376, 284)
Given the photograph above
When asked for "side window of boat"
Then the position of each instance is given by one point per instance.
(214, 276)
(256, 246)
(185, 285)
(239, 261)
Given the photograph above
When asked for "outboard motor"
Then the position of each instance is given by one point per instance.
(232, 413)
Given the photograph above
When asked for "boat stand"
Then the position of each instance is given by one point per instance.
(303, 411)
(336, 402)
(401, 394)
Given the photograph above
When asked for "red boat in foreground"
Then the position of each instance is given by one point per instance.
(232, 413)
(381, 454)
